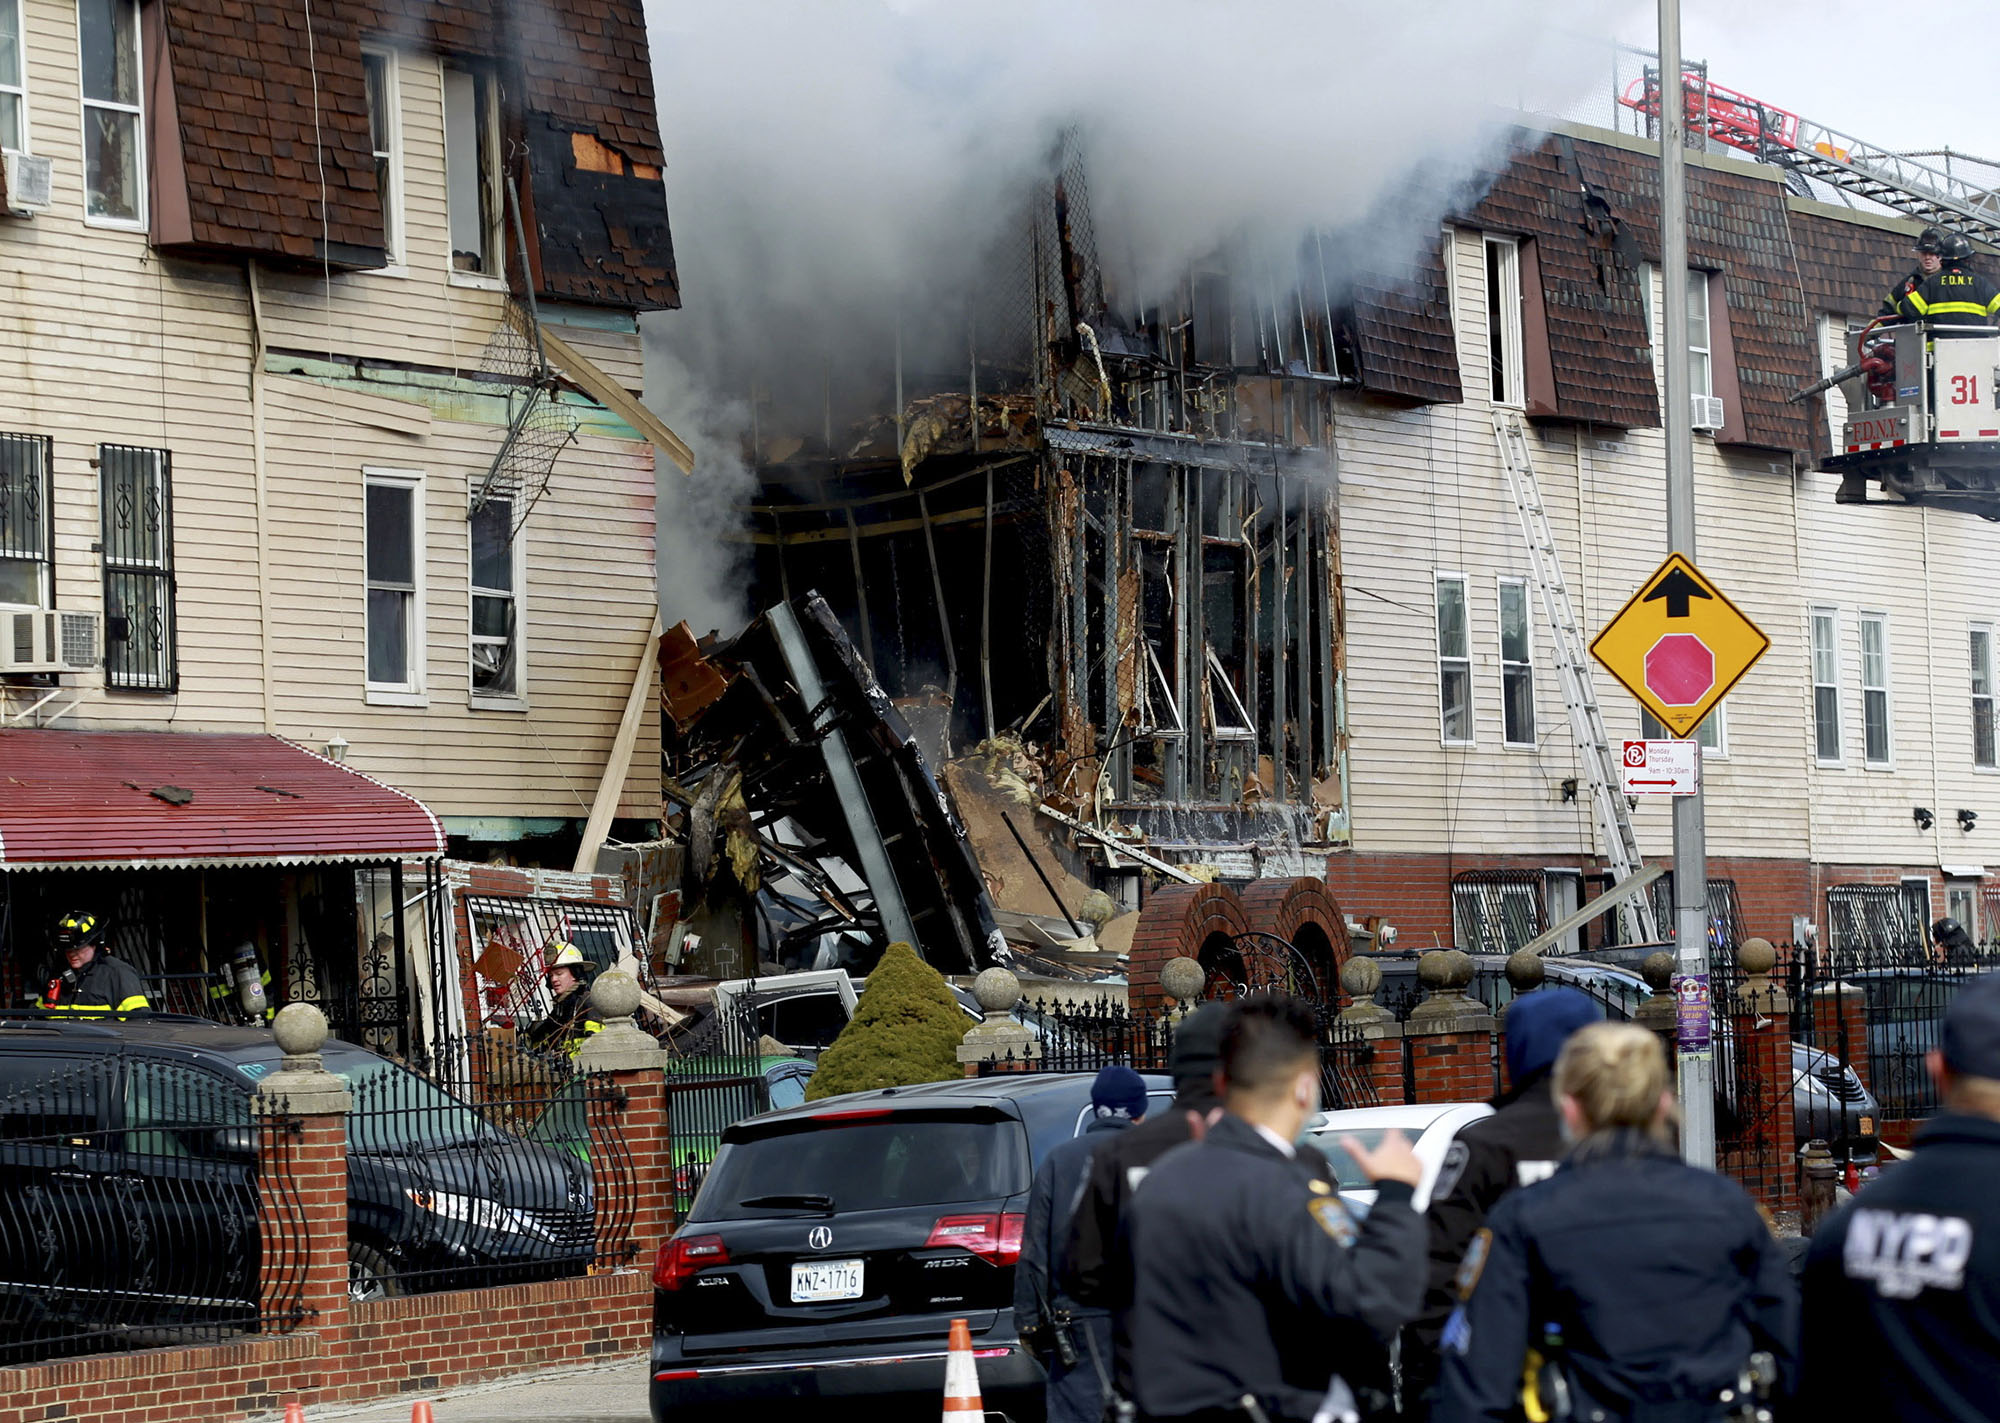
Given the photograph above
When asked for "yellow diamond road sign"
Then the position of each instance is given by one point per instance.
(1679, 645)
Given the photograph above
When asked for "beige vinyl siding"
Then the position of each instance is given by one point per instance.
(110, 342)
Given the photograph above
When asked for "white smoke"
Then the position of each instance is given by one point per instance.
(833, 162)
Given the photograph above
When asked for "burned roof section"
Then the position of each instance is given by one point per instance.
(263, 144)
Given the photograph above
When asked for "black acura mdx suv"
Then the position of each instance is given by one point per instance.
(832, 1244)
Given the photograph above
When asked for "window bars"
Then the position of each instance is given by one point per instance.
(137, 503)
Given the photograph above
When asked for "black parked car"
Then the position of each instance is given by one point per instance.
(127, 1196)
(832, 1245)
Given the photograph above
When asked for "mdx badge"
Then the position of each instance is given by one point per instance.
(820, 1237)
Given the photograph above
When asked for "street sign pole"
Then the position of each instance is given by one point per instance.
(1697, 1063)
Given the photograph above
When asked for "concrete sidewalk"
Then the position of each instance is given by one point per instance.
(610, 1392)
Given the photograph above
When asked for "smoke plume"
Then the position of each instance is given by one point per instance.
(840, 171)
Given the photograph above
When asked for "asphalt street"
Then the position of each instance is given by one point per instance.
(601, 1393)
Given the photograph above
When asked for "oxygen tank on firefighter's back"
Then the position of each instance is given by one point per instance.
(249, 978)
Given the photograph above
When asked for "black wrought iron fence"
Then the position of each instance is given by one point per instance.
(134, 1209)
(487, 1165)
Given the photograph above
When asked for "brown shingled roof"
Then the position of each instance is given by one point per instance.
(1402, 334)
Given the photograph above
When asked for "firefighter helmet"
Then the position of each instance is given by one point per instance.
(77, 929)
(561, 955)
(1951, 246)
(1931, 240)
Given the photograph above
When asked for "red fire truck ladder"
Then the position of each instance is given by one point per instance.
(1840, 160)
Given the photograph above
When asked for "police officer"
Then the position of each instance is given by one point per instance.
(1943, 291)
(1080, 1365)
(1629, 1285)
(1902, 1287)
(1123, 1161)
(1241, 1257)
(569, 1021)
(1518, 1145)
(92, 981)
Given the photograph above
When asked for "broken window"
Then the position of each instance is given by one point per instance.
(108, 45)
(24, 520)
(137, 505)
(394, 577)
(496, 621)
(1503, 320)
(472, 171)
(1454, 661)
(385, 141)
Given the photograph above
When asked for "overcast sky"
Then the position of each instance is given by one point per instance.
(1916, 78)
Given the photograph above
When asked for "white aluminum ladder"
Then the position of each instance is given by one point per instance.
(1586, 719)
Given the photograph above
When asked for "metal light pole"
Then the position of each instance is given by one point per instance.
(1697, 1068)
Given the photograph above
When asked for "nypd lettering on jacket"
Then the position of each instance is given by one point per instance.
(1903, 1253)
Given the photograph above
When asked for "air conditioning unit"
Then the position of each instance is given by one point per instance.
(30, 181)
(1707, 412)
(48, 641)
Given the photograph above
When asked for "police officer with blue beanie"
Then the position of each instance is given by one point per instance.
(1902, 1287)
(1516, 1146)
(1072, 1341)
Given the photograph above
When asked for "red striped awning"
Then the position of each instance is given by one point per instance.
(91, 799)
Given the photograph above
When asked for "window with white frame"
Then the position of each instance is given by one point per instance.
(113, 117)
(1503, 320)
(496, 608)
(385, 141)
(1826, 685)
(1876, 744)
(1454, 651)
(1708, 731)
(26, 551)
(13, 79)
(1961, 902)
(473, 195)
(1983, 752)
(1517, 665)
(1701, 365)
(395, 581)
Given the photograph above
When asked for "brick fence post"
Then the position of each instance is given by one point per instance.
(1450, 1036)
(302, 1185)
(996, 1037)
(1763, 1025)
(1840, 1023)
(1376, 1026)
(1662, 1011)
(629, 1061)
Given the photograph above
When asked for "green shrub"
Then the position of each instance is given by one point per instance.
(905, 1030)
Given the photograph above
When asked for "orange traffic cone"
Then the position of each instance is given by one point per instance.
(961, 1377)
(420, 1412)
(295, 1412)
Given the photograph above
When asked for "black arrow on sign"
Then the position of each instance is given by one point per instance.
(1677, 588)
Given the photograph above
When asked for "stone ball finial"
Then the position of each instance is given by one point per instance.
(997, 990)
(1443, 969)
(1361, 977)
(1756, 956)
(300, 1029)
(1182, 978)
(615, 994)
(1526, 971)
(1658, 971)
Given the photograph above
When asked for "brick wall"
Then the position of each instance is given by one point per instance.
(1451, 1064)
(345, 1352)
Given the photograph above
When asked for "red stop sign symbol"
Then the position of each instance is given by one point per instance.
(1680, 669)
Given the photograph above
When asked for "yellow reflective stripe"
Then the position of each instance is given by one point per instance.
(134, 1003)
(1955, 308)
(1916, 299)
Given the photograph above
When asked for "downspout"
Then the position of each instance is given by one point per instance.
(262, 495)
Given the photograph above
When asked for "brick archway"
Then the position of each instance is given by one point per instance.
(1179, 919)
(1304, 912)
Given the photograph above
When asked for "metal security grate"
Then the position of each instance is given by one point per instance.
(136, 496)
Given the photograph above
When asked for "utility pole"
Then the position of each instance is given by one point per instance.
(1696, 1062)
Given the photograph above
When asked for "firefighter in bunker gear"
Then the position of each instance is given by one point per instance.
(1944, 291)
(569, 1022)
(91, 981)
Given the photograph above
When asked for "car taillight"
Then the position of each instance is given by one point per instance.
(685, 1256)
(995, 1238)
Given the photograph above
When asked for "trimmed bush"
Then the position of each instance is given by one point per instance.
(905, 1030)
